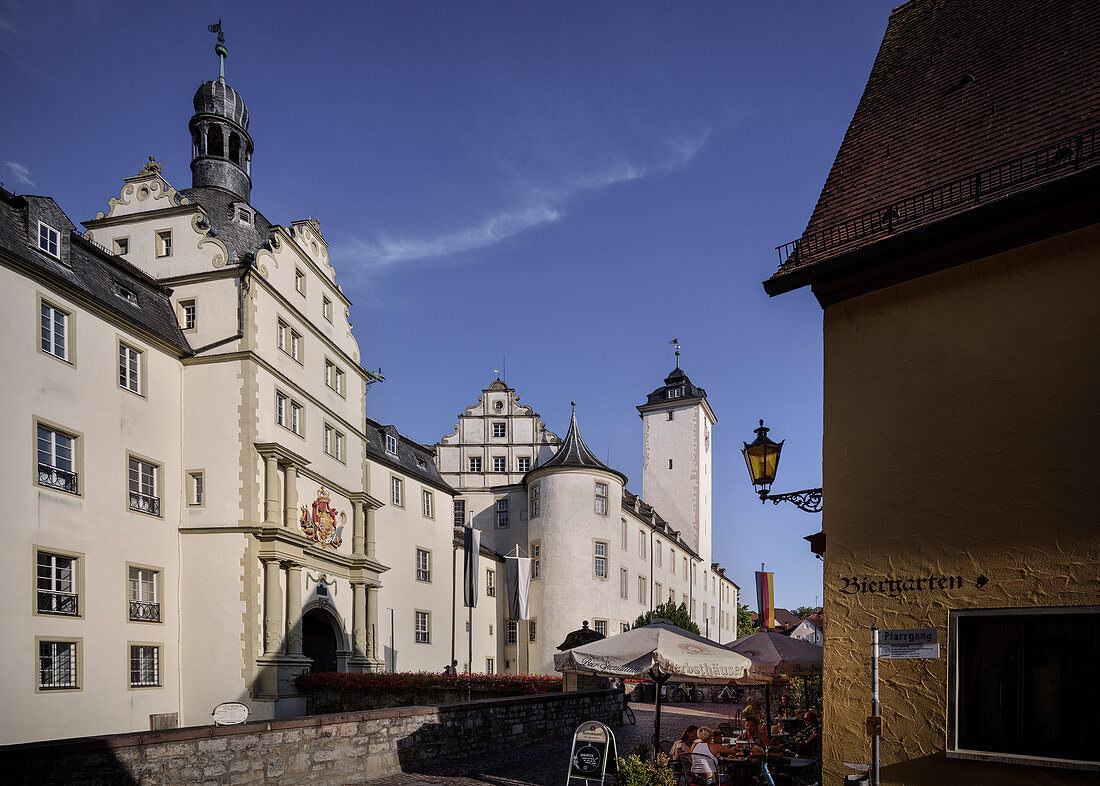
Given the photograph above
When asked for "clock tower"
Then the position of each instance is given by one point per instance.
(677, 450)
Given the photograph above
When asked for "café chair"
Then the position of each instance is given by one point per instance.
(689, 778)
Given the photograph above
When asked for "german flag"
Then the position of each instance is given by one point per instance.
(765, 599)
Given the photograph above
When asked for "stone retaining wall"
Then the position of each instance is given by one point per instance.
(322, 749)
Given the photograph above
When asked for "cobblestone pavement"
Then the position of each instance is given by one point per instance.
(546, 763)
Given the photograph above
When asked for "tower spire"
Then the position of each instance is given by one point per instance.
(219, 49)
(676, 343)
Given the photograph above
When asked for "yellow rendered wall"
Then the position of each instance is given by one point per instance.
(961, 438)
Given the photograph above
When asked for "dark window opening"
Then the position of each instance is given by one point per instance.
(235, 148)
(214, 141)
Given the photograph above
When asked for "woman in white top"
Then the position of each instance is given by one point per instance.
(682, 745)
(705, 759)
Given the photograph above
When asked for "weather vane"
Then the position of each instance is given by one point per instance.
(219, 48)
(676, 343)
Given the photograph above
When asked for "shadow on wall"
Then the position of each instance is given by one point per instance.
(99, 764)
(938, 770)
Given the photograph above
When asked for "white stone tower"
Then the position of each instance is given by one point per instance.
(677, 424)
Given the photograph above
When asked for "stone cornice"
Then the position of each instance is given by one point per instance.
(266, 449)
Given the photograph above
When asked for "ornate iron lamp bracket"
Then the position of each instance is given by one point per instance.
(808, 500)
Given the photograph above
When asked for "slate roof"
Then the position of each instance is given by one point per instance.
(574, 453)
(676, 378)
(412, 458)
(958, 87)
(642, 508)
(89, 269)
(241, 240)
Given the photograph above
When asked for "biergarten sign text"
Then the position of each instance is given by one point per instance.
(895, 587)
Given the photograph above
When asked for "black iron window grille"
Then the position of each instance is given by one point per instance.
(144, 666)
(1060, 156)
(144, 611)
(57, 478)
(56, 665)
(144, 503)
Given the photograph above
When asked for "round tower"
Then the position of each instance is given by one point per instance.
(221, 148)
(573, 505)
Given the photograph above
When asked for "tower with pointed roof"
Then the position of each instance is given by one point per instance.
(677, 451)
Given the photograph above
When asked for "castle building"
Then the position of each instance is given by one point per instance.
(599, 552)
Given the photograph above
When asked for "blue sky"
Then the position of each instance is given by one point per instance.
(565, 184)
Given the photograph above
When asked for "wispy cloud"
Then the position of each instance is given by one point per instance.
(21, 174)
(541, 204)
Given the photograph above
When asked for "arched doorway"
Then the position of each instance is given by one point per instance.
(319, 641)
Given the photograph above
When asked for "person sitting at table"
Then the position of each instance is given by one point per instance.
(808, 740)
(682, 745)
(754, 735)
(704, 761)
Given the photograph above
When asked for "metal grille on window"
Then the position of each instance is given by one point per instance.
(460, 513)
(532, 629)
(423, 635)
(423, 565)
(143, 596)
(56, 664)
(144, 666)
(55, 460)
(143, 487)
(511, 632)
(56, 585)
(490, 583)
(600, 626)
(536, 559)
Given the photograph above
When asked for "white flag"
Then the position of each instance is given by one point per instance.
(471, 544)
(519, 588)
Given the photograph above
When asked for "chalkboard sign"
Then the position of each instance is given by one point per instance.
(593, 753)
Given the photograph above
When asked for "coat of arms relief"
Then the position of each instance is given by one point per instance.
(321, 523)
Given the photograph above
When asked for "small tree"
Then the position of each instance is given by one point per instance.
(677, 615)
(802, 612)
(744, 621)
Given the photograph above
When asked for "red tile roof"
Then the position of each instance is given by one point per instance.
(958, 86)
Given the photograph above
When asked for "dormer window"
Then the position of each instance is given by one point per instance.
(126, 294)
(244, 215)
(49, 240)
(391, 444)
(676, 392)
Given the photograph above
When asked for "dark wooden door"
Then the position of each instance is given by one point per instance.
(318, 642)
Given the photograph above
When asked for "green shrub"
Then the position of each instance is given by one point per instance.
(635, 771)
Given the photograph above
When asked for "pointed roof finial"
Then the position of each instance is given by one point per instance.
(219, 48)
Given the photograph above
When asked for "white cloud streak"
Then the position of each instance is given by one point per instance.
(21, 174)
(544, 205)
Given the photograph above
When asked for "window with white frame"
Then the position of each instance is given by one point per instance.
(188, 314)
(57, 665)
(144, 603)
(693, 608)
(334, 377)
(397, 492)
(426, 504)
(601, 499)
(459, 513)
(334, 442)
(676, 392)
(55, 330)
(502, 513)
(121, 246)
(49, 240)
(670, 414)
(624, 627)
(282, 404)
(511, 632)
(500, 463)
(423, 627)
(282, 336)
(535, 501)
(299, 281)
(490, 668)
(423, 565)
(196, 492)
(129, 368)
(641, 589)
(490, 583)
(600, 626)
(536, 559)
(532, 629)
(599, 556)
(296, 345)
(685, 568)
(641, 543)
(657, 553)
(671, 595)
(391, 444)
(624, 583)
(658, 592)
(56, 459)
(56, 584)
(164, 243)
(672, 560)
(500, 430)
(475, 463)
(143, 487)
(326, 308)
(1022, 683)
(523, 464)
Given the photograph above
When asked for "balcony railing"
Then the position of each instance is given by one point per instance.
(50, 602)
(423, 575)
(144, 611)
(144, 503)
(57, 478)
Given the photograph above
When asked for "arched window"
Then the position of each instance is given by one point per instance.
(235, 148)
(214, 141)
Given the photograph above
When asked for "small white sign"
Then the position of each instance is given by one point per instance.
(230, 713)
(909, 643)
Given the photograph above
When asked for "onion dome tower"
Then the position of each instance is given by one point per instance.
(221, 148)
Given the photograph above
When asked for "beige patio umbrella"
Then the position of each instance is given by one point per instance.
(773, 655)
(658, 651)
